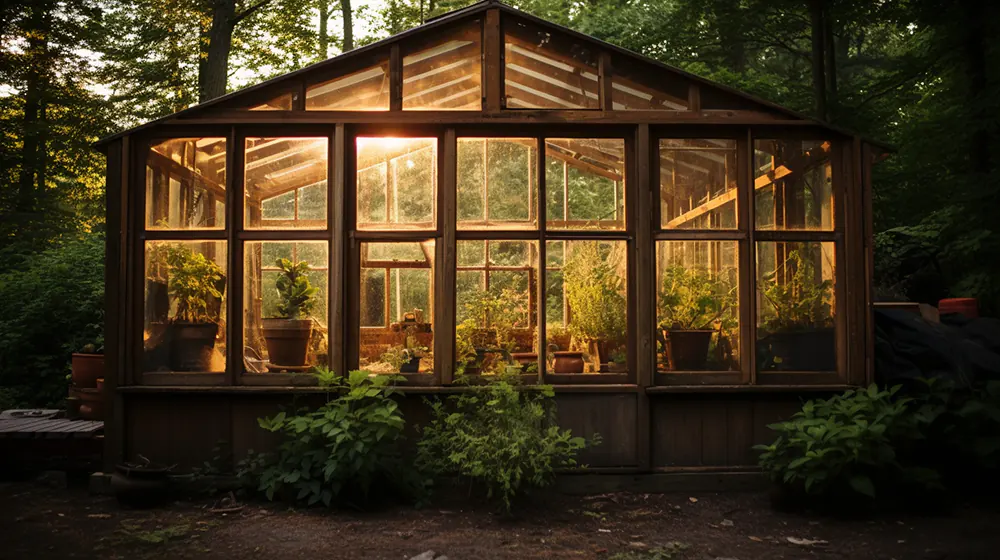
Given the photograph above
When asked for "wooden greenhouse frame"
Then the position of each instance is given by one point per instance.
(577, 107)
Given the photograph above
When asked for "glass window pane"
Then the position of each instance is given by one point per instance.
(184, 323)
(397, 307)
(285, 305)
(589, 285)
(446, 75)
(795, 176)
(186, 184)
(697, 306)
(364, 90)
(796, 306)
(497, 183)
(397, 183)
(495, 307)
(286, 183)
(543, 70)
(585, 183)
(697, 184)
(636, 87)
(282, 102)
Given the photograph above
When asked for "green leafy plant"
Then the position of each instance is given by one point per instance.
(194, 281)
(799, 302)
(846, 445)
(492, 317)
(694, 299)
(296, 295)
(596, 294)
(341, 450)
(500, 435)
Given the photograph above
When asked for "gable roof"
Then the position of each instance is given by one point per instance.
(353, 57)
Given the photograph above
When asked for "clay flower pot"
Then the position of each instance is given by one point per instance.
(287, 341)
(568, 362)
(87, 368)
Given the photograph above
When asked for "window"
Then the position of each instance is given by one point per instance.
(184, 324)
(397, 183)
(697, 184)
(186, 184)
(586, 306)
(286, 183)
(447, 74)
(796, 306)
(285, 305)
(497, 183)
(793, 185)
(495, 306)
(697, 306)
(364, 90)
(282, 102)
(585, 183)
(397, 307)
(547, 71)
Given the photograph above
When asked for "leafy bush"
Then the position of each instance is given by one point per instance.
(499, 435)
(846, 445)
(339, 451)
(50, 308)
(195, 282)
(297, 296)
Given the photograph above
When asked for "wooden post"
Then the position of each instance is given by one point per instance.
(746, 218)
(444, 306)
(336, 177)
(493, 62)
(395, 78)
(639, 198)
(234, 273)
(604, 82)
(117, 171)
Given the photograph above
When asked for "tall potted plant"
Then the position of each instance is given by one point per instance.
(691, 302)
(595, 292)
(492, 318)
(797, 332)
(195, 287)
(287, 336)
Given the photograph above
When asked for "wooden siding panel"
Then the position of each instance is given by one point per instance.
(176, 430)
(613, 416)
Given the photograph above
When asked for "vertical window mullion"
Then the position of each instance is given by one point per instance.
(234, 282)
(747, 261)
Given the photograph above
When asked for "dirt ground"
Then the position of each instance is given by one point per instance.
(41, 521)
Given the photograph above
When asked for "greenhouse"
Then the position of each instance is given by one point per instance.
(488, 193)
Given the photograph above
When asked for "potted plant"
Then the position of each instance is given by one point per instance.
(595, 292)
(195, 287)
(797, 332)
(287, 336)
(87, 365)
(492, 319)
(691, 303)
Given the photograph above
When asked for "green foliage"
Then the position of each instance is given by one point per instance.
(194, 281)
(596, 294)
(491, 318)
(800, 302)
(694, 298)
(296, 294)
(846, 444)
(340, 451)
(499, 435)
(51, 308)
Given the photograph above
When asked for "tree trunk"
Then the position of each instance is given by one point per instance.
(348, 15)
(818, 57)
(33, 154)
(324, 39)
(213, 71)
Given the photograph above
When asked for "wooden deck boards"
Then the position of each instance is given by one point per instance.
(49, 428)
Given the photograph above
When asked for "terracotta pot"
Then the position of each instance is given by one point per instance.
(191, 345)
(525, 359)
(90, 403)
(87, 368)
(287, 341)
(568, 362)
(969, 307)
(687, 350)
(100, 385)
(142, 487)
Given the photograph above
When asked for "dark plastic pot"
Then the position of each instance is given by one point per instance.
(688, 349)
(287, 341)
(808, 350)
(411, 366)
(87, 369)
(141, 487)
(191, 345)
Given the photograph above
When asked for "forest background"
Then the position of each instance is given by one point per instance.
(923, 75)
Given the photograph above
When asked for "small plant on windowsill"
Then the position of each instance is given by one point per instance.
(485, 339)
(693, 305)
(344, 452)
(195, 285)
(287, 336)
(595, 292)
(797, 331)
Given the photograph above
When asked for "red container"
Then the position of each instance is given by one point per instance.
(968, 307)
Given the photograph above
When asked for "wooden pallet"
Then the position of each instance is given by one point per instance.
(49, 428)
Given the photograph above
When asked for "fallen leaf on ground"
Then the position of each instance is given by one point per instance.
(726, 523)
(99, 516)
(756, 539)
(604, 530)
(693, 500)
(806, 542)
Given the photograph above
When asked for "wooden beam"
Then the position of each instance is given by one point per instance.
(338, 234)
(444, 307)
(493, 67)
(604, 87)
(395, 78)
